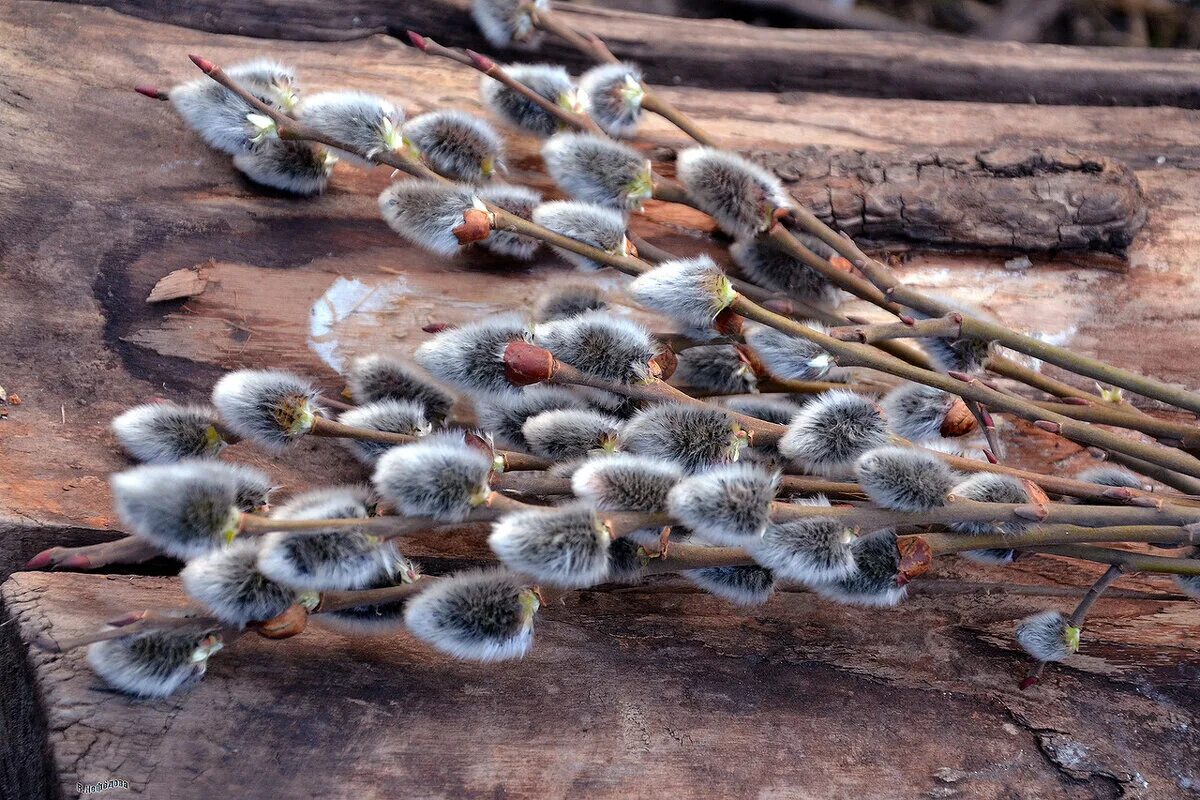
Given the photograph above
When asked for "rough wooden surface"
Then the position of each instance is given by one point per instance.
(724, 54)
(1007, 197)
(103, 195)
(640, 693)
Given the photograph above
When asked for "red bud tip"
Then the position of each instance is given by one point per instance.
(42, 559)
(991, 457)
(1030, 682)
(417, 40)
(907, 320)
(961, 376)
(841, 264)
(477, 226)
(152, 92)
(1031, 513)
(1145, 502)
(1074, 401)
(1117, 493)
(206, 66)
(728, 322)
(664, 364)
(76, 562)
(1047, 425)
(988, 422)
(481, 62)
(1097, 453)
(290, 623)
(478, 442)
(915, 558)
(436, 327)
(526, 364)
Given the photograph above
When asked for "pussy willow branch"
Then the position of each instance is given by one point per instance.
(769, 385)
(1093, 594)
(850, 353)
(895, 291)
(567, 117)
(908, 328)
(846, 280)
(1174, 524)
(533, 364)
(389, 526)
(974, 327)
(1184, 436)
(289, 128)
(340, 601)
(663, 188)
(134, 623)
(1188, 436)
(856, 354)
(132, 549)
(1007, 368)
(153, 620)
(683, 556)
(1133, 562)
(897, 347)
(594, 47)
(945, 543)
(1091, 408)
(126, 550)
(506, 459)
(542, 484)
(1077, 616)
(1183, 483)
(1137, 420)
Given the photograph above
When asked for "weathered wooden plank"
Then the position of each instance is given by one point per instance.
(721, 54)
(1003, 198)
(637, 693)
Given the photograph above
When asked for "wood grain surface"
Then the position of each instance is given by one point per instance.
(628, 694)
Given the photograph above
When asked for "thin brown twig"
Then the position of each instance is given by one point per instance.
(851, 353)
(888, 291)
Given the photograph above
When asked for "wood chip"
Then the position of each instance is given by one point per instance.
(178, 284)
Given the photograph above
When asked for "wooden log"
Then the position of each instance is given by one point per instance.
(632, 693)
(1004, 198)
(721, 54)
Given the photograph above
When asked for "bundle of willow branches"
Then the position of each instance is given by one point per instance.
(754, 436)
